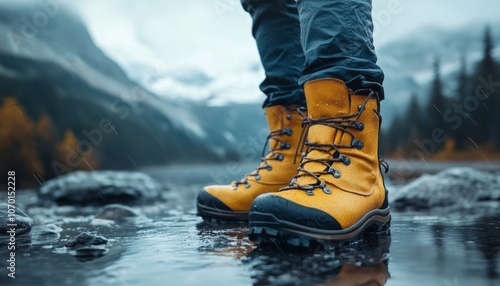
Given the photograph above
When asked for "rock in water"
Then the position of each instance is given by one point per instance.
(116, 212)
(86, 239)
(23, 222)
(100, 187)
(459, 188)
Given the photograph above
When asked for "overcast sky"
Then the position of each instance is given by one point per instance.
(172, 38)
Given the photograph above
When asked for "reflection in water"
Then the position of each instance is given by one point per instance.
(482, 234)
(485, 233)
(358, 263)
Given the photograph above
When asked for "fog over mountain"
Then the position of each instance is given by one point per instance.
(56, 70)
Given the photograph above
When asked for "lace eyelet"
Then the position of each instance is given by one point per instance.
(247, 185)
(360, 145)
(278, 157)
(285, 146)
(288, 131)
(357, 144)
(288, 116)
(358, 125)
(361, 126)
(346, 160)
(269, 167)
(336, 155)
(335, 173)
(310, 193)
(257, 177)
(327, 190)
(361, 108)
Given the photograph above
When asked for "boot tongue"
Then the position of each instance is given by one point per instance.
(325, 98)
(274, 116)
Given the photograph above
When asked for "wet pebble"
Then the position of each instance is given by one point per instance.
(116, 212)
(89, 253)
(85, 239)
(100, 188)
(23, 222)
(45, 234)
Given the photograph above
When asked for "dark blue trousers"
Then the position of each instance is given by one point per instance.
(302, 40)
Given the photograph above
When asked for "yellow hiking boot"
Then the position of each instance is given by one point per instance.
(232, 202)
(338, 192)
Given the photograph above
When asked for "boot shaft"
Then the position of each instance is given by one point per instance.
(289, 121)
(352, 126)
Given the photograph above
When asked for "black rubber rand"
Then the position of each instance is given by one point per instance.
(302, 226)
(210, 207)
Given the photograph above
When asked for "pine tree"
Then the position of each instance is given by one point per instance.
(413, 122)
(460, 133)
(437, 104)
(393, 139)
(47, 139)
(487, 115)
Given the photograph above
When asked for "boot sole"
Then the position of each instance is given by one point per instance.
(266, 228)
(208, 213)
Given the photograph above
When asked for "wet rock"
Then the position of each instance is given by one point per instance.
(116, 212)
(23, 222)
(85, 254)
(86, 239)
(459, 188)
(47, 230)
(101, 188)
(45, 234)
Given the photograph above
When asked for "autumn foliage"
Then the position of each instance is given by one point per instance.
(34, 149)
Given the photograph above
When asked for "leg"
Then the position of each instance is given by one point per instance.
(337, 40)
(276, 30)
(338, 192)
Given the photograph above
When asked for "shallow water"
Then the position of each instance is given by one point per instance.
(170, 245)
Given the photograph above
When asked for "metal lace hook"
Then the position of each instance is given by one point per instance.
(384, 164)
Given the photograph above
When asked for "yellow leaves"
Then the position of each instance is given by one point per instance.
(17, 138)
(32, 148)
(45, 129)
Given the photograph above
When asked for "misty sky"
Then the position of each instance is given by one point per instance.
(168, 40)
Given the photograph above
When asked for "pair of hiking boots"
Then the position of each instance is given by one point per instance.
(320, 181)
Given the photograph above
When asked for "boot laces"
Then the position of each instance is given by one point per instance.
(344, 123)
(282, 145)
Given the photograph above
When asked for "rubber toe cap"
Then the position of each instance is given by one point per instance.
(288, 211)
(206, 199)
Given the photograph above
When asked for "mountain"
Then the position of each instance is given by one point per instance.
(239, 131)
(51, 66)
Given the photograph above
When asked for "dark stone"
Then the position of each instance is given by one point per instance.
(454, 189)
(85, 239)
(85, 254)
(100, 188)
(116, 212)
(23, 222)
(46, 230)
